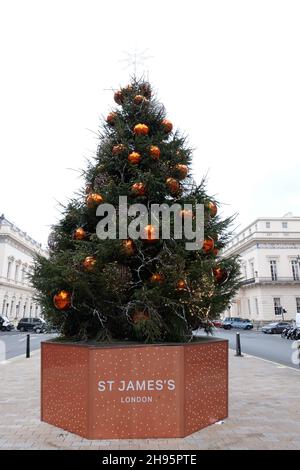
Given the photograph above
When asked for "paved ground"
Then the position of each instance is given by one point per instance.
(13, 343)
(256, 343)
(264, 412)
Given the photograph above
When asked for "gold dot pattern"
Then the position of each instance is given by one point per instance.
(64, 388)
(72, 400)
(206, 385)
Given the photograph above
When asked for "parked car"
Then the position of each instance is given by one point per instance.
(228, 321)
(28, 323)
(217, 323)
(5, 324)
(276, 327)
(242, 323)
(44, 328)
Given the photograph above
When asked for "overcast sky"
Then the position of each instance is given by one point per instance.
(228, 73)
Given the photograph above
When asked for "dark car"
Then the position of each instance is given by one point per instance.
(29, 323)
(242, 323)
(276, 327)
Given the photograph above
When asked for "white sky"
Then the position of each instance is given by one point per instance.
(228, 73)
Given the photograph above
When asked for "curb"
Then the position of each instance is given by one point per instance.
(281, 366)
(21, 356)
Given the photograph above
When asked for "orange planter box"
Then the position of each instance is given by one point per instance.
(134, 391)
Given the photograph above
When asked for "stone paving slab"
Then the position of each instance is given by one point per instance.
(264, 412)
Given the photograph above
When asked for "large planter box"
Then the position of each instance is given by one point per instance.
(134, 391)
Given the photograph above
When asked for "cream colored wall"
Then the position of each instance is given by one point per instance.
(16, 293)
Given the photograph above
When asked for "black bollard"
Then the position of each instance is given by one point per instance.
(238, 346)
(28, 346)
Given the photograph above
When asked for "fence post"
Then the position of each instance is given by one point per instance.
(238, 346)
(27, 346)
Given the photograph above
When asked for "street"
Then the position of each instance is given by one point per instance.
(270, 347)
(13, 343)
(266, 346)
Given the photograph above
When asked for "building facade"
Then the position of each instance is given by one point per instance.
(16, 258)
(269, 250)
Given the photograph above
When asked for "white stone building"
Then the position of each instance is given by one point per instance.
(16, 258)
(269, 250)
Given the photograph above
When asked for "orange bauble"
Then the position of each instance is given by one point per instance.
(89, 263)
(150, 234)
(167, 125)
(93, 199)
(118, 97)
(154, 152)
(208, 245)
(62, 300)
(139, 189)
(79, 234)
(220, 274)
(157, 278)
(134, 158)
(140, 315)
(128, 247)
(173, 185)
(181, 171)
(118, 149)
(139, 99)
(181, 284)
(212, 207)
(141, 129)
(111, 119)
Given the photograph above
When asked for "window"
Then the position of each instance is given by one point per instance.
(277, 306)
(245, 271)
(17, 272)
(8, 269)
(252, 268)
(295, 270)
(268, 224)
(256, 306)
(273, 267)
(298, 304)
(249, 307)
(250, 231)
(284, 225)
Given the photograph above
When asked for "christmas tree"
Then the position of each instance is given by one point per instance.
(150, 289)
